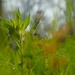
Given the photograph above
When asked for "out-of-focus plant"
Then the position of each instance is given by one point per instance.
(21, 53)
(15, 32)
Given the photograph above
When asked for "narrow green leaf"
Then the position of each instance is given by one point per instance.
(18, 15)
(6, 22)
(18, 19)
(26, 22)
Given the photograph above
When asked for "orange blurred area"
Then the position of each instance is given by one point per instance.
(62, 33)
(49, 48)
(63, 61)
(56, 62)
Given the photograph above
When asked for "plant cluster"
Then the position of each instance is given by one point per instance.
(21, 53)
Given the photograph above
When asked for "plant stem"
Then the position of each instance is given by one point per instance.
(21, 54)
(29, 72)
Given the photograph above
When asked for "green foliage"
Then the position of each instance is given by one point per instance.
(24, 54)
(69, 11)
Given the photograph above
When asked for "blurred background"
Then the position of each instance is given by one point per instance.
(56, 13)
